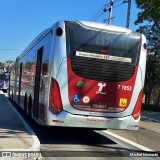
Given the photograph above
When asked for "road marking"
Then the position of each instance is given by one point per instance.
(36, 142)
(136, 145)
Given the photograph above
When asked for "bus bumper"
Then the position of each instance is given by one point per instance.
(70, 120)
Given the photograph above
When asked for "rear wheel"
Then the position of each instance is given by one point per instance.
(4, 90)
(12, 95)
(30, 107)
(25, 105)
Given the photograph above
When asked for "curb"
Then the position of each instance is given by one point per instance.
(150, 119)
(36, 142)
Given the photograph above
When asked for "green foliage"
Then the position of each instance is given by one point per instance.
(150, 14)
(152, 78)
(153, 36)
(150, 11)
(9, 61)
(28, 65)
(152, 69)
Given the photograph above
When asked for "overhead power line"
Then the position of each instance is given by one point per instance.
(102, 10)
(118, 5)
(108, 8)
(98, 16)
(13, 42)
(110, 12)
(111, 18)
(10, 49)
(95, 16)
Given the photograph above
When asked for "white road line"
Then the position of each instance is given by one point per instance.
(136, 145)
(36, 142)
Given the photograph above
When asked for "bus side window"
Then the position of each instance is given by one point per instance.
(44, 68)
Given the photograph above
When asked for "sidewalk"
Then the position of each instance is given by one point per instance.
(150, 116)
(15, 134)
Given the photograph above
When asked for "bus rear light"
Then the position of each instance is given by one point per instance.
(55, 120)
(55, 103)
(136, 126)
(137, 109)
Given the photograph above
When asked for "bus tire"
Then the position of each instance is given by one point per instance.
(4, 90)
(25, 105)
(12, 95)
(30, 107)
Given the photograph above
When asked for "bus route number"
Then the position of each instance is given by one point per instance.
(125, 88)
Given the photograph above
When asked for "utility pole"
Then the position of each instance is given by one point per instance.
(110, 12)
(128, 14)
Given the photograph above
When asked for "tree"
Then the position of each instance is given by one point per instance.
(150, 12)
(149, 17)
(152, 77)
(158, 80)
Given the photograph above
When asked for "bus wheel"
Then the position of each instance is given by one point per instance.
(4, 90)
(30, 107)
(25, 105)
(12, 95)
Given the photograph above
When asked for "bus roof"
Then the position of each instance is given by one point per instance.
(104, 26)
(38, 38)
(84, 23)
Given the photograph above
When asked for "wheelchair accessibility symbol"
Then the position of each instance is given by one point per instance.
(76, 98)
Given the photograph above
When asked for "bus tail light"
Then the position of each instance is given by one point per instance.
(137, 109)
(55, 103)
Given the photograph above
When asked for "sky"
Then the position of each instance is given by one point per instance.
(22, 20)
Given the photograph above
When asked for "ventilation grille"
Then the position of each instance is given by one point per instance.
(101, 70)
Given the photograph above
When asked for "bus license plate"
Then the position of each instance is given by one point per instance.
(99, 106)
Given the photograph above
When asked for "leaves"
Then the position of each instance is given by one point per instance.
(153, 69)
(153, 37)
(150, 14)
(150, 11)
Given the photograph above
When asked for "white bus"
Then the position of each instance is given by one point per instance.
(81, 74)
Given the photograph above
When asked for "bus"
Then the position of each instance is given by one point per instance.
(81, 74)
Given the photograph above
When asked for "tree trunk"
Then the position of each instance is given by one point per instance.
(151, 93)
(148, 93)
(158, 99)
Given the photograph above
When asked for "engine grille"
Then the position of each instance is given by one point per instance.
(101, 70)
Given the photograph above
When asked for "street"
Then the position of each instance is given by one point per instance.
(148, 135)
(80, 80)
(76, 142)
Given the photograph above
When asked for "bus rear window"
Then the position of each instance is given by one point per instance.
(103, 44)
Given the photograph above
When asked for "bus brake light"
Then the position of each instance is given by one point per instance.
(55, 103)
(104, 51)
(137, 109)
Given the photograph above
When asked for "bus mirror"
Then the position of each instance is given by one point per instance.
(59, 31)
(145, 46)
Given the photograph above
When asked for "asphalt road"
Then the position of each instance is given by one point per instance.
(76, 143)
(148, 135)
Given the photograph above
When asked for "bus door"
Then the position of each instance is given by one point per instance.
(37, 82)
